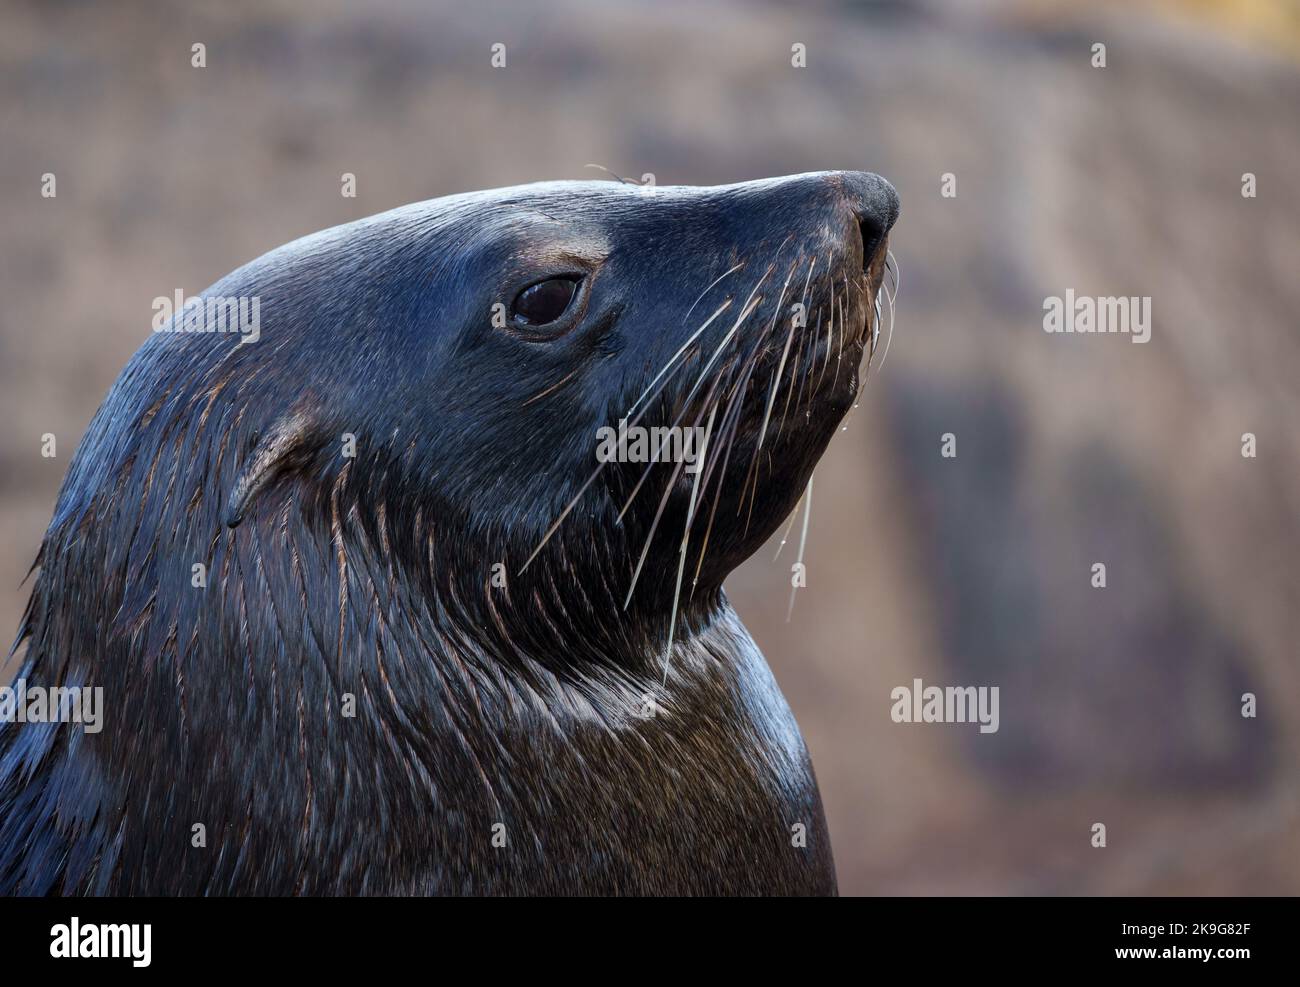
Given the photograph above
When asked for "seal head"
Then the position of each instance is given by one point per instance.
(371, 611)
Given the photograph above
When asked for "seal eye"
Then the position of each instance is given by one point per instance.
(545, 301)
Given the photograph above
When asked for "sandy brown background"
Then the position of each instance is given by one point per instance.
(1120, 705)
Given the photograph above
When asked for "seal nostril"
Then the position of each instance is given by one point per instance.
(872, 233)
(874, 205)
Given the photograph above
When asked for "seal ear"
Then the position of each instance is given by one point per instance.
(286, 440)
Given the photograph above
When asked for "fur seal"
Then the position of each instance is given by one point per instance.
(368, 615)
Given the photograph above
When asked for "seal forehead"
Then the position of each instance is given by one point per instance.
(546, 236)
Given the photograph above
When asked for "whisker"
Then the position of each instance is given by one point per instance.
(752, 483)
(891, 267)
(776, 379)
(827, 358)
(790, 391)
(730, 424)
(560, 520)
(731, 417)
(681, 560)
(671, 360)
(555, 525)
(687, 402)
(839, 344)
(750, 306)
(803, 541)
(889, 336)
(758, 346)
(803, 298)
(713, 284)
(890, 296)
(645, 550)
(875, 324)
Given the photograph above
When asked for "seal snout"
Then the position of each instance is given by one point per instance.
(874, 203)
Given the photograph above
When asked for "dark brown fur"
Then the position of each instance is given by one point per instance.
(546, 736)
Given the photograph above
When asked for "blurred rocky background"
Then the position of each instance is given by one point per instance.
(1119, 705)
